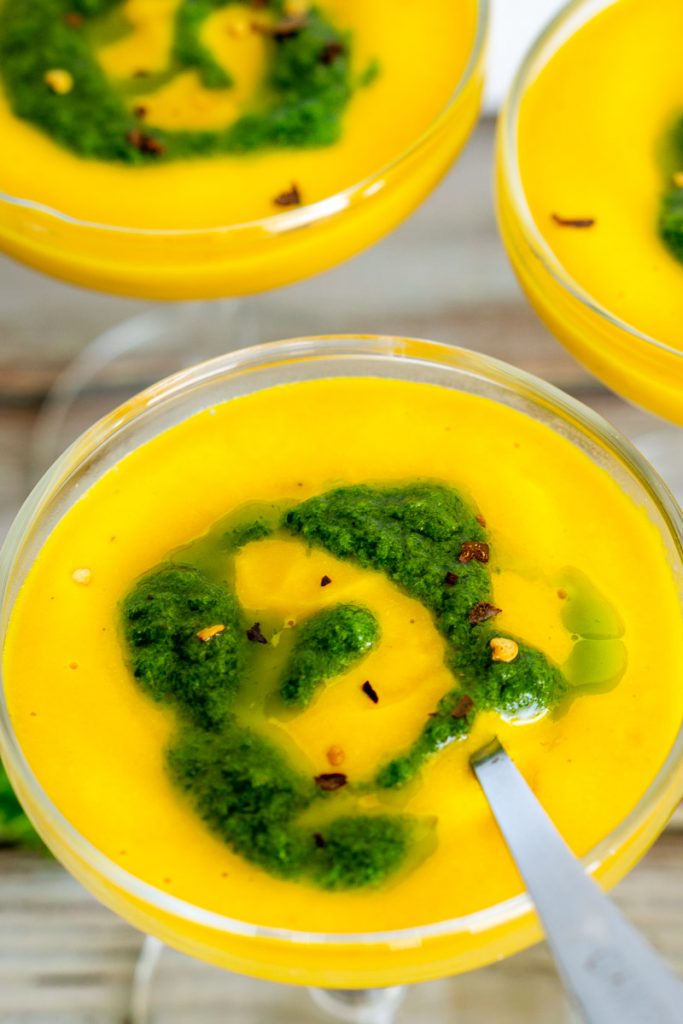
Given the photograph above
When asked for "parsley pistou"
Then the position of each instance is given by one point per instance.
(50, 70)
(593, 218)
(671, 212)
(187, 125)
(189, 646)
(266, 653)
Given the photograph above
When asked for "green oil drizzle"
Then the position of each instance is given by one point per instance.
(598, 659)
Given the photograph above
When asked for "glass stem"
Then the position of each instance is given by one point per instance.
(360, 1006)
(163, 339)
(355, 1006)
(143, 975)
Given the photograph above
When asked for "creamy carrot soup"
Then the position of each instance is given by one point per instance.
(251, 662)
(171, 115)
(599, 144)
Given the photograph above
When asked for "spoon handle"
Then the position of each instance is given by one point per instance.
(611, 973)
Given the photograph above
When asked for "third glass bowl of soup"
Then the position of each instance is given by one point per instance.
(173, 149)
(257, 621)
(590, 193)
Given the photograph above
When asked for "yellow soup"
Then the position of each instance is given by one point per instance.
(97, 743)
(405, 63)
(591, 134)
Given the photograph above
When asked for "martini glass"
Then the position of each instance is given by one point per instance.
(207, 269)
(642, 368)
(355, 976)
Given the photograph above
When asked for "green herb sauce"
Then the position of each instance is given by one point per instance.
(249, 795)
(327, 644)
(301, 103)
(415, 535)
(162, 617)
(671, 207)
(430, 542)
(671, 221)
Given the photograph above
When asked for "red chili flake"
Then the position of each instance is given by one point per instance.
(329, 781)
(255, 635)
(319, 840)
(482, 611)
(474, 549)
(290, 198)
(562, 594)
(287, 28)
(480, 519)
(73, 19)
(140, 111)
(325, 581)
(573, 222)
(450, 579)
(146, 143)
(463, 707)
(331, 52)
(370, 691)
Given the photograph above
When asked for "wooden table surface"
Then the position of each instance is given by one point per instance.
(64, 959)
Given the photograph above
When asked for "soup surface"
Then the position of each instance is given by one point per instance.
(607, 107)
(170, 114)
(107, 735)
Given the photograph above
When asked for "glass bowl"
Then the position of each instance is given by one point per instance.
(314, 958)
(643, 369)
(243, 258)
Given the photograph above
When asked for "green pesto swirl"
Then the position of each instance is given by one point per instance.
(671, 206)
(193, 648)
(300, 103)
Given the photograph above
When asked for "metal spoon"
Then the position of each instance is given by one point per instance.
(611, 973)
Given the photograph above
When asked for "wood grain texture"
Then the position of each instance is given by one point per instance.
(64, 959)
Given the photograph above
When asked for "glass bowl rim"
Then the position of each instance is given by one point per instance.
(391, 349)
(532, 64)
(309, 213)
